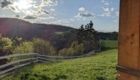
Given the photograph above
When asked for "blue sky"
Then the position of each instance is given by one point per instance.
(103, 13)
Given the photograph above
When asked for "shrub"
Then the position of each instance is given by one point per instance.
(43, 47)
(75, 49)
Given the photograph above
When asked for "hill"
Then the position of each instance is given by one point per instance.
(11, 27)
(98, 67)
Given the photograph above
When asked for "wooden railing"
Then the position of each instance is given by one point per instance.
(23, 60)
(18, 62)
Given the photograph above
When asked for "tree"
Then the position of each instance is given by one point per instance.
(5, 43)
(88, 37)
(43, 47)
(24, 47)
(16, 41)
(90, 25)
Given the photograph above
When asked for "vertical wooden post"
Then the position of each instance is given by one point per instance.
(129, 40)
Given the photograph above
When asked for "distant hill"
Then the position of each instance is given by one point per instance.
(11, 27)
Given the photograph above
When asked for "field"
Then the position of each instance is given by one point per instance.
(59, 33)
(98, 67)
(109, 44)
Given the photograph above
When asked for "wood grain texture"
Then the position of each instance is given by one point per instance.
(129, 37)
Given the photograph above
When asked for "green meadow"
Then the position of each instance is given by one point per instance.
(109, 44)
(98, 67)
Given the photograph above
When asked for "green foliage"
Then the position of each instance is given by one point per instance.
(75, 49)
(88, 37)
(59, 33)
(16, 41)
(5, 43)
(24, 47)
(43, 47)
(99, 67)
(109, 44)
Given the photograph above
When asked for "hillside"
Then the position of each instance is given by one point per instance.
(11, 27)
(98, 67)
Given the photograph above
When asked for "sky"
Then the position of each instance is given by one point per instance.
(103, 13)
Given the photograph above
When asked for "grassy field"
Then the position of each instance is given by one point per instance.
(109, 44)
(98, 67)
(59, 33)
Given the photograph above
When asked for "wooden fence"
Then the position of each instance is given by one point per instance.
(28, 58)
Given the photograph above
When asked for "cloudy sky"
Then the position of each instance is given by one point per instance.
(103, 13)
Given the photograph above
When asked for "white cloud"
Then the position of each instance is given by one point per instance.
(50, 17)
(52, 9)
(106, 9)
(5, 4)
(115, 20)
(107, 14)
(36, 13)
(49, 3)
(86, 14)
(117, 13)
(62, 21)
(71, 19)
(82, 9)
(106, 3)
(112, 9)
(102, 0)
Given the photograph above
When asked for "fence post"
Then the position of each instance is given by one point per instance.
(37, 56)
(129, 40)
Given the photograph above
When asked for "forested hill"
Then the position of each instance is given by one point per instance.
(11, 27)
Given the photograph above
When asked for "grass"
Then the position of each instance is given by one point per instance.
(110, 44)
(98, 67)
(59, 33)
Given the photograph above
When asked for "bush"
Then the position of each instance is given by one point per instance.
(43, 47)
(5, 43)
(24, 47)
(75, 49)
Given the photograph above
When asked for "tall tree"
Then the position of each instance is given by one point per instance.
(88, 36)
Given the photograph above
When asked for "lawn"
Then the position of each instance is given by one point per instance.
(98, 67)
(109, 44)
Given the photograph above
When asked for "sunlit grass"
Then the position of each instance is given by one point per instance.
(98, 67)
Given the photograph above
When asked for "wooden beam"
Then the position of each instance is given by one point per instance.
(129, 38)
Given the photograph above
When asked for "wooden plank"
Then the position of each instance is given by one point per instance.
(130, 71)
(129, 37)
(10, 69)
(124, 76)
(11, 63)
(16, 55)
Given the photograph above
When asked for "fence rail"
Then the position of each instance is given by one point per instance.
(34, 57)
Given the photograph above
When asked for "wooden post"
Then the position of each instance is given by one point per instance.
(129, 40)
